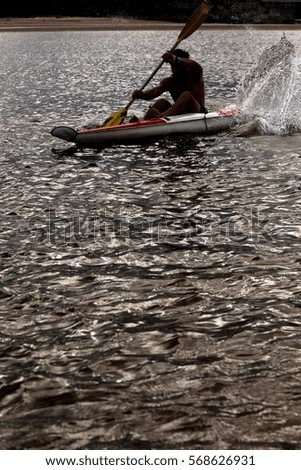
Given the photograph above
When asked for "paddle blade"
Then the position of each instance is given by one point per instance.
(116, 118)
(194, 22)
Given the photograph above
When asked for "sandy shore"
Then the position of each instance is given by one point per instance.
(103, 24)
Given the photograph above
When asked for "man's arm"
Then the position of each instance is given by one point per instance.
(151, 93)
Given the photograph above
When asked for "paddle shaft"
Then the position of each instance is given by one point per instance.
(151, 75)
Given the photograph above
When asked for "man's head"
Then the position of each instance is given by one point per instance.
(181, 53)
(177, 70)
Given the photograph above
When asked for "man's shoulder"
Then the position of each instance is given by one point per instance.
(196, 68)
(195, 64)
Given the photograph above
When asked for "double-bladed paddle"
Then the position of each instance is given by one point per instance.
(193, 23)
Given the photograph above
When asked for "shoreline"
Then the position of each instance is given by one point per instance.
(49, 24)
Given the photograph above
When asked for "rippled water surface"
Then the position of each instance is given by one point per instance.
(150, 294)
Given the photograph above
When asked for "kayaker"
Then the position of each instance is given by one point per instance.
(185, 85)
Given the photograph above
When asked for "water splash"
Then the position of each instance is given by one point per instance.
(271, 90)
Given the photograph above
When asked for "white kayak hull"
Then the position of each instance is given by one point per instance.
(195, 123)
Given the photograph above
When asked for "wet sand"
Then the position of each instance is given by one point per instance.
(103, 24)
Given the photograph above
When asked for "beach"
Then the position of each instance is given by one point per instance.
(102, 24)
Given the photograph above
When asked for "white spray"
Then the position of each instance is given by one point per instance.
(272, 90)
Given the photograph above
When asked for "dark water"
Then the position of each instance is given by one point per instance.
(150, 294)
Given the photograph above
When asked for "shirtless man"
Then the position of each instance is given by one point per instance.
(185, 85)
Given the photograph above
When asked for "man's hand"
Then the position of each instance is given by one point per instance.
(169, 57)
(137, 94)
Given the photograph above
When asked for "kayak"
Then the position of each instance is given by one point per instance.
(193, 123)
